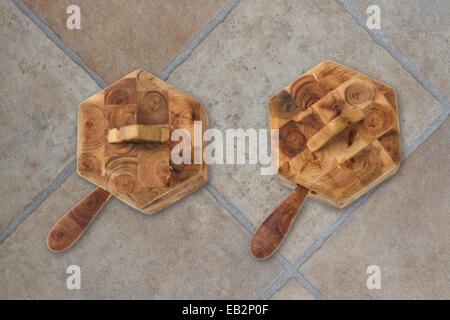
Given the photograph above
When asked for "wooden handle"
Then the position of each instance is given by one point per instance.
(139, 133)
(73, 224)
(274, 229)
(334, 127)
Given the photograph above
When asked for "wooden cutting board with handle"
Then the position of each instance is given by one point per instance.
(338, 137)
(124, 148)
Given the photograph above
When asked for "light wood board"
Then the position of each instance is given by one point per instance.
(140, 174)
(352, 162)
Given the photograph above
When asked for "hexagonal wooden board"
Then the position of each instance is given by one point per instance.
(140, 174)
(335, 135)
(353, 161)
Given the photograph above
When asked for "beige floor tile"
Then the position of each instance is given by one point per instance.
(403, 228)
(40, 89)
(261, 47)
(118, 37)
(193, 249)
(418, 31)
(292, 290)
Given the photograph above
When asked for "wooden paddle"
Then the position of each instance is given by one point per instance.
(74, 223)
(274, 229)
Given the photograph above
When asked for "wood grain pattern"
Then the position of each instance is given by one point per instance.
(338, 137)
(120, 115)
(153, 165)
(122, 92)
(344, 121)
(318, 139)
(305, 91)
(75, 222)
(124, 148)
(139, 133)
(274, 229)
(292, 140)
(153, 107)
(137, 113)
(282, 107)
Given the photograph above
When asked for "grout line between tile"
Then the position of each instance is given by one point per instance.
(280, 281)
(187, 51)
(292, 272)
(53, 37)
(308, 286)
(41, 197)
(276, 285)
(237, 214)
(382, 43)
(426, 133)
(284, 262)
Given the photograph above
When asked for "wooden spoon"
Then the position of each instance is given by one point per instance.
(274, 229)
(74, 223)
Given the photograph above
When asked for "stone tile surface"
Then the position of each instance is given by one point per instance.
(118, 37)
(191, 250)
(403, 228)
(261, 47)
(40, 89)
(419, 32)
(292, 290)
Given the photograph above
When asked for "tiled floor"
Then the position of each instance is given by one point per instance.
(39, 121)
(129, 34)
(418, 31)
(194, 249)
(198, 248)
(292, 290)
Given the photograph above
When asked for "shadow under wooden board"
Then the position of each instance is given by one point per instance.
(124, 148)
(338, 137)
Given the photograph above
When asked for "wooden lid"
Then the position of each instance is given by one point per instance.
(338, 133)
(124, 146)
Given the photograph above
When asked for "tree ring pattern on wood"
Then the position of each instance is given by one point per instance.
(292, 140)
(120, 149)
(310, 123)
(379, 118)
(121, 115)
(312, 164)
(138, 173)
(121, 175)
(90, 164)
(153, 108)
(121, 93)
(357, 157)
(92, 126)
(359, 94)
(306, 91)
